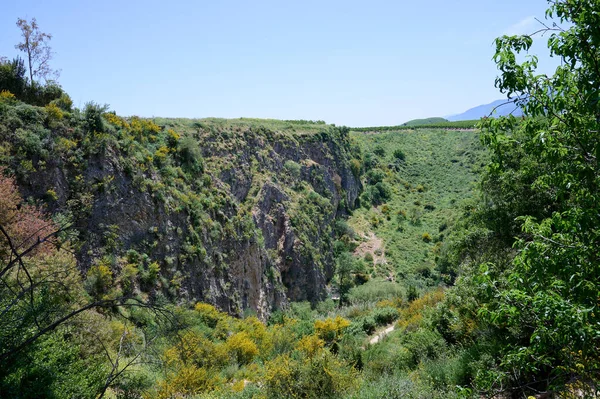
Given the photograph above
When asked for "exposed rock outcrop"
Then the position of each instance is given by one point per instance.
(252, 230)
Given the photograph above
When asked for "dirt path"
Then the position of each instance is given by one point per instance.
(374, 246)
(378, 336)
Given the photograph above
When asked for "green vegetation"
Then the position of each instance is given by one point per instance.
(426, 121)
(467, 266)
(426, 176)
(458, 125)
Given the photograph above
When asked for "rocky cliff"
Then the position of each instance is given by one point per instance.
(228, 212)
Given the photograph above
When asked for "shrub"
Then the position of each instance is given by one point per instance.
(7, 96)
(386, 358)
(366, 324)
(190, 155)
(64, 102)
(423, 344)
(150, 275)
(99, 280)
(375, 290)
(399, 155)
(172, 138)
(241, 347)
(379, 151)
(293, 168)
(54, 112)
(331, 330)
(185, 381)
(310, 345)
(385, 315)
(412, 293)
(375, 176)
(208, 314)
(355, 167)
(324, 376)
(342, 228)
(92, 115)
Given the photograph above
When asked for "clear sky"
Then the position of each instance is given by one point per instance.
(355, 63)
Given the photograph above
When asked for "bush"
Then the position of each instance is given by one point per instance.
(385, 315)
(241, 347)
(342, 228)
(324, 376)
(376, 195)
(399, 155)
(190, 154)
(12, 77)
(386, 358)
(330, 330)
(293, 168)
(92, 115)
(355, 167)
(365, 324)
(99, 280)
(64, 102)
(413, 293)
(423, 344)
(208, 314)
(375, 290)
(375, 176)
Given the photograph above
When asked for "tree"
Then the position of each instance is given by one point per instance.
(35, 46)
(12, 76)
(346, 266)
(543, 186)
(45, 308)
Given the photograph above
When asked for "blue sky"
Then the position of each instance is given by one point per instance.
(354, 63)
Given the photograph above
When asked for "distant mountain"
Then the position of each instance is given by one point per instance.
(485, 110)
(427, 121)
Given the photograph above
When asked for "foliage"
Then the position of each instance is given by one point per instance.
(458, 125)
(331, 330)
(426, 121)
(346, 267)
(531, 259)
(321, 376)
(13, 79)
(440, 168)
(242, 347)
(293, 168)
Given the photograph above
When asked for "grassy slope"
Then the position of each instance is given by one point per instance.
(433, 125)
(284, 126)
(426, 121)
(445, 164)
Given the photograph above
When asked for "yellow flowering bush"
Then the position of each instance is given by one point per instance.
(241, 347)
(209, 314)
(310, 345)
(330, 330)
(7, 96)
(54, 113)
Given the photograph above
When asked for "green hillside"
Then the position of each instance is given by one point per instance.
(173, 258)
(459, 125)
(426, 121)
(429, 173)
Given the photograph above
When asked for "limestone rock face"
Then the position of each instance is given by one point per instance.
(253, 230)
